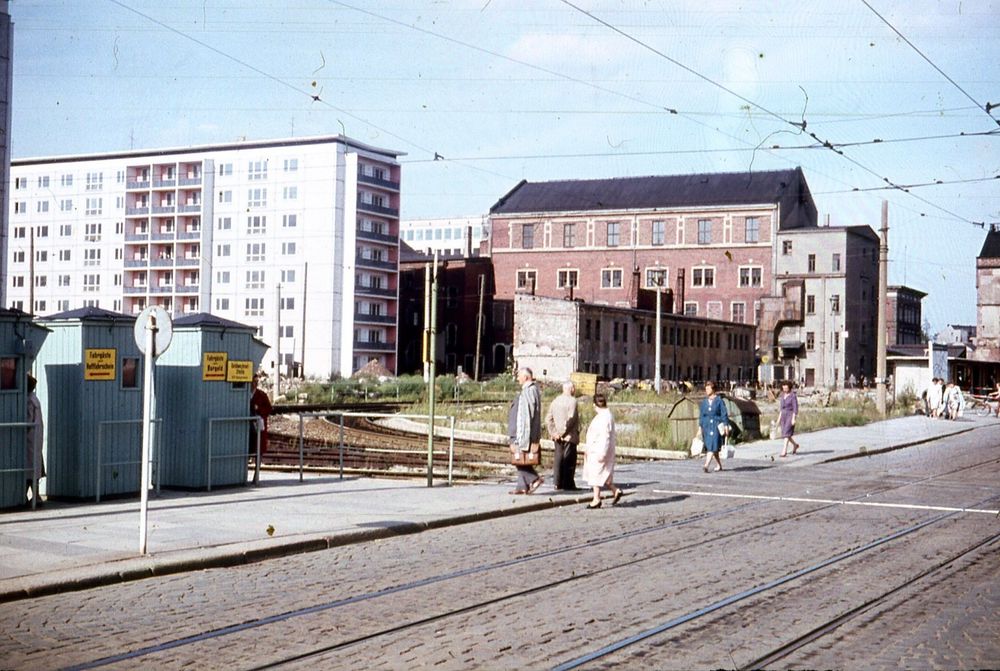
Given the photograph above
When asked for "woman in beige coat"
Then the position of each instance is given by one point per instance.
(599, 462)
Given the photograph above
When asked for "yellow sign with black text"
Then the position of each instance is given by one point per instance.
(213, 366)
(240, 371)
(99, 364)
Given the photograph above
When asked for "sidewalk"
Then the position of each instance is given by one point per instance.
(67, 546)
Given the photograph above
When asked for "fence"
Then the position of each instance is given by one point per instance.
(154, 455)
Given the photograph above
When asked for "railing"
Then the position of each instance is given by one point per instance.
(376, 181)
(375, 291)
(368, 346)
(186, 289)
(190, 181)
(240, 455)
(186, 262)
(136, 289)
(378, 209)
(372, 263)
(376, 237)
(164, 183)
(35, 471)
(154, 457)
(136, 263)
(163, 209)
(188, 235)
(162, 262)
(136, 237)
(374, 319)
(189, 208)
(143, 184)
(132, 211)
(164, 235)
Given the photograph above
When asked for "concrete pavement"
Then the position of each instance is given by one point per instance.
(68, 546)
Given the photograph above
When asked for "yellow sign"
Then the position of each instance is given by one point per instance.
(99, 364)
(585, 383)
(240, 371)
(213, 366)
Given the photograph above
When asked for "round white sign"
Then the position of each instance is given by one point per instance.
(160, 318)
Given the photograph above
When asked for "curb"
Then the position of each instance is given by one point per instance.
(893, 448)
(237, 554)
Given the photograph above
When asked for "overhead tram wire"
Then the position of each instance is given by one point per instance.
(987, 108)
(800, 125)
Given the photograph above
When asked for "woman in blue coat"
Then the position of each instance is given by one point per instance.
(712, 414)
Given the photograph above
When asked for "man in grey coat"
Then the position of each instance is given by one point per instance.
(563, 424)
(524, 424)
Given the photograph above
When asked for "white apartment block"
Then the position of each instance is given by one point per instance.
(455, 236)
(298, 237)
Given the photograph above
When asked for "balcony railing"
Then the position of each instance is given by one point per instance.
(187, 289)
(164, 209)
(365, 318)
(368, 346)
(190, 181)
(164, 183)
(375, 181)
(136, 237)
(139, 184)
(374, 291)
(136, 289)
(189, 235)
(137, 263)
(186, 262)
(196, 207)
(162, 289)
(164, 235)
(162, 263)
(376, 237)
(136, 211)
(378, 209)
(381, 265)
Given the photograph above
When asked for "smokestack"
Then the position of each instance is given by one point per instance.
(826, 220)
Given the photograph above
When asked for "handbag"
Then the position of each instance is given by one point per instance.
(533, 457)
(697, 446)
(724, 428)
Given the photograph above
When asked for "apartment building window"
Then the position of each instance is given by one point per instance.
(20, 182)
(225, 169)
(704, 231)
(257, 198)
(810, 340)
(614, 233)
(65, 230)
(17, 281)
(226, 196)
(288, 302)
(91, 283)
(224, 223)
(288, 331)
(255, 251)
(66, 205)
(222, 276)
(255, 279)
(291, 164)
(611, 278)
(253, 307)
(41, 281)
(42, 206)
(95, 181)
(810, 304)
(527, 236)
(221, 303)
(835, 303)
(20, 207)
(19, 257)
(836, 341)
(703, 276)
(43, 181)
(739, 311)
(288, 248)
(290, 192)
(751, 276)
(569, 235)
(836, 263)
(287, 276)
(20, 232)
(527, 279)
(94, 206)
(40, 306)
(256, 225)
(656, 277)
(257, 170)
(92, 232)
(64, 281)
(786, 247)
(222, 250)
(119, 227)
(811, 263)
(66, 180)
(751, 228)
(41, 256)
(659, 233)
(690, 310)
(567, 278)
(91, 257)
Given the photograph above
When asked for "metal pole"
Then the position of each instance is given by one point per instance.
(302, 338)
(432, 329)
(277, 348)
(451, 450)
(479, 326)
(427, 319)
(100, 436)
(657, 380)
(256, 463)
(148, 393)
(208, 466)
(341, 447)
(883, 291)
(302, 440)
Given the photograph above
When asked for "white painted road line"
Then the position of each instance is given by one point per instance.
(800, 499)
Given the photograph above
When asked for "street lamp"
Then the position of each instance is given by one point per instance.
(834, 339)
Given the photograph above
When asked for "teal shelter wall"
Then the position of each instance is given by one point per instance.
(186, 402)
(20, 339)
(75, 410)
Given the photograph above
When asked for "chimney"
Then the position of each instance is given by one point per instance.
(826, 220)
(468, 242)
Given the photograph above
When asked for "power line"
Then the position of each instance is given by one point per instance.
(987, 108)
(906, 187)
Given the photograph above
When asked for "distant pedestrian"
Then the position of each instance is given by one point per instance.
(524, 428)
(788, 412)
(260, 405)
(714, 420)
(935, 398)
(599, 462)
(563, 424)
(852, 381)
(35, 436)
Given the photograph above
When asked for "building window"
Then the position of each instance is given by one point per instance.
(66, 180)
(614, 233)
(288, 248)
(42, 256)
(257, 170)
(528, 236)
(751, 276)
(567, 278)
(835, 303)
(291, 164)
(20, 207)
(836, 263)
(66, 205)
(43, 206)
(92, 283)
(704, 231)
(527, 279)
(786, 247)
(255, 251)
(95, 181)
(703, 276)
(257, 198)
(690, 310)
(253, 307)
(20, 232)
(19, 256)
(288, 276)
(656, 277)
(225, 169)
(569, 235)
(94, 206)
(20, 182)
(255, 279)
(810, 304)
(224, 223)
(91, 257)
(810, 340)
(65, 230)
(811, 263)
(611, 278)
(222, 250)
(256, 225)
(289, 220)
(17, 280)
(288, 303)
(290, 192)
(752, 229)
(739, 313)
(659, 233)
(221, 303)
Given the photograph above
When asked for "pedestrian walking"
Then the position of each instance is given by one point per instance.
(563, 424)
(599, 461)
(35, 462)
(788, 412)
(524, 428)
(935, 398)
(260, 405)
(713, 419)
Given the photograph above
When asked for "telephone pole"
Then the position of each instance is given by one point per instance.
(883, 293)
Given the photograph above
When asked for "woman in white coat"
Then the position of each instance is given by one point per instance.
(599, 462)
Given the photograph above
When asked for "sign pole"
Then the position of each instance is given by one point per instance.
(148, 393)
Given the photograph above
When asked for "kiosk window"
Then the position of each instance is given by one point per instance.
(130, 373)
(8, 373)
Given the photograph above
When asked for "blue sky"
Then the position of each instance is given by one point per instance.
(507, 90)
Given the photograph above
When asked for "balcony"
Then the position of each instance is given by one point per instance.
(136, 211)
(374, 291)
(162, 289)
(189, 235)
(136, 289)
(364, 318)
(187, 289)
(136, 237)
(375, 181)
(376, 237)
(195, 207)
(137, 185)
(379, 209)
(164, 183)
(190, 181)
(162, 263)
(164, 209)
(187, 262)
(368, 346)
(137, 263)
(164, 235)
(362, 262)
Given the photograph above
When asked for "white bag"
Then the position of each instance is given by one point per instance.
(697, 446)
(724, 428)
(775, 433)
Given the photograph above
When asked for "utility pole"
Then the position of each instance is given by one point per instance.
(302, 338)
(883, 293)
(427, 320)
(657, 381)
(277, 348)
(479, 325)
(432, 330)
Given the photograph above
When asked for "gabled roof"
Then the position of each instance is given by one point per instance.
(787, 188)
(206, 319)
(88, 314)
(991, 246)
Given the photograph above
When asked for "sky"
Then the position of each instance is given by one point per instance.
(874, 99)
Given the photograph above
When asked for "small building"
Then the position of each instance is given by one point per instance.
(203, 388)
(90, 388)
(744, 418)
(20, 339)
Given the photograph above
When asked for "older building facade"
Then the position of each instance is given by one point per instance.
(988, 297)
(904, 316)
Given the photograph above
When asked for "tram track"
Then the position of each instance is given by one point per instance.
(534, 557)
